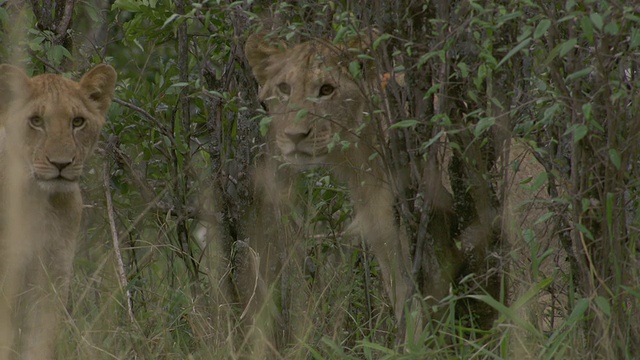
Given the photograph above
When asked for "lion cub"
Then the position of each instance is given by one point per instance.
(48, 127)
(320, 117)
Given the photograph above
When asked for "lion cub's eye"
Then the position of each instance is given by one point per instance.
(284, 88)
(36, 121)
(326, 89)
(78, 122)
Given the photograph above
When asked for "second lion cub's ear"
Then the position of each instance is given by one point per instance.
(99, 83)
(14, 83)
(259, 49)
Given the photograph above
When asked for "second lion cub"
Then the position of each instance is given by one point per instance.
(320, 116)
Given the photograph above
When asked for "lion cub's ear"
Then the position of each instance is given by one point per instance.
(14, 83)
(100, 83)
(259, 51)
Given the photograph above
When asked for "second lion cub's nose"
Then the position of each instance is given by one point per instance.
(296, 135)
(59, 163)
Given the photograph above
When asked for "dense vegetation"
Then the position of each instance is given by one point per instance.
(513, 136)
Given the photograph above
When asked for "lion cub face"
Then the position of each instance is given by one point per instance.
(52, 123)
(315, 105)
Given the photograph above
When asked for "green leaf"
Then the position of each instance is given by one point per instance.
(561, 50)
(526, 32)
(380, 39)
(481, 74)
(539, 181)
(425, 57)
(464, 69)
(170, 19)
(404, 124)
(288, 36)
(542, 28)
(4, 17)
(531, 293)
(511, 313)
(603, 304)
(482, 125)
(632, 290)
(432, 90)
(635, 39)
(508, 17)
(513, 51)
(596, 19)
(579, 132)
(567, 18)
(529, 236)
(558, 337)
(264, 125)
(337, 349)
(569, 5)
(578, 312)
(126, 5)
(580, 73)
(587, 29)
(314, 353)
(567, 46)
(583, 229)
(340, 35)
(301, 114)
(179, 84)
(432, 141)
(550, 112)
(355, 69)
(612, 28)
(632, 17)
(57, 52)
(614, 156)
(216, 93)
(587, 111)
(544, 217)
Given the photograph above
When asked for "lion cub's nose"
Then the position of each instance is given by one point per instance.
(296, 135)
(60, 164)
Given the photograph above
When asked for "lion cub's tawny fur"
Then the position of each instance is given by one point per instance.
(48, 127)
(319, 117)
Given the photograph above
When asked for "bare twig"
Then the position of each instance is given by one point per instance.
(122, 275)
(45, 62)
(141, 111)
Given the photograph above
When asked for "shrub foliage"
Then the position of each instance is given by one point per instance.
(511, 129)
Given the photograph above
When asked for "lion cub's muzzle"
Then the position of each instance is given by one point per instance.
(304, 143)
(57, 174)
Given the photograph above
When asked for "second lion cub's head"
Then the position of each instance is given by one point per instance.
(314, 97)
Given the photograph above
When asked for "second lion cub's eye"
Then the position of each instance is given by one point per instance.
(326, 89)
(78, 122)
(36, 121)
(284, 88)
